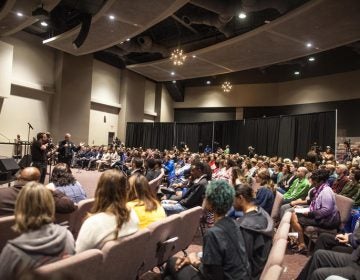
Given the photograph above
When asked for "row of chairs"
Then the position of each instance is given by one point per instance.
(133, 255)
(274, 264)
(72, 220)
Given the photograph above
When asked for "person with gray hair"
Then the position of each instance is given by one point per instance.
(224, 252)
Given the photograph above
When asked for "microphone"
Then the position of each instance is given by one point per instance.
(30, 126)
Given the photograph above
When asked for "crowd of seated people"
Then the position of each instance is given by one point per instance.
(220, 182)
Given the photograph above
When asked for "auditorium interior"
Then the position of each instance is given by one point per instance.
(180, 139)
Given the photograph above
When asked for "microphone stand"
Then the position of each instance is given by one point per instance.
(28, 139)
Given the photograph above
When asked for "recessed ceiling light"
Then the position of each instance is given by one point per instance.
(43, 23)
(312, 58)
(309, 45)
(172, 73)
(19, 14)
(242, 15)
(174, 82)
(208, 82)
(193, 56)
(112, 17)
(296, 73)
(267, 21)
(128, 39)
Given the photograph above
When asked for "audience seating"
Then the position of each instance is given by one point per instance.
(155, 184)
(163, 239)
(276, 206)
(274, 272)
(6, 231)
(284, 227)
(273, 267)
(86, 265)
(190, 221)
(77, 217)
(124, 258)
(344, 205)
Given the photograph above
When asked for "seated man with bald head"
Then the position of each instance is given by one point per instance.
(8, 195)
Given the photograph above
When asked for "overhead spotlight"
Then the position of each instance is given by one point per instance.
(242, 15)
(174, 82)
(44, 23)
(309, 45)
(311, 58)
(128, 39)
(172, 73)
(84, 30)
(208, 82)
(112, 17)
(19, 14)
(193, 56)
(297, 73)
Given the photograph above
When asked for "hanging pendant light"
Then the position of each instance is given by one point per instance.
(226, 86)
(178, 57)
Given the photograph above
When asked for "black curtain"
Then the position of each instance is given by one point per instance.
(189, 134)
(286, 144)
(163, 136)
(205, 135)
(285, 136)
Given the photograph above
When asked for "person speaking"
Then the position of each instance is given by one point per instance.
(66, 149)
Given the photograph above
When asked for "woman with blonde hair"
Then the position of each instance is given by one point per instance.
(41, 241)
(142, 200)
(110, 218)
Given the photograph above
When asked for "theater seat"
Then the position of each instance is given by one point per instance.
(124, 258)
(276, 206)
(163, 241)
(86, 265)
(272, 273)
(78, 217)
(190, 221)
(344, 205)
(6, 232)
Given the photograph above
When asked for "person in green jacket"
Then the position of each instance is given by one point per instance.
(353, 186)
(299, 188)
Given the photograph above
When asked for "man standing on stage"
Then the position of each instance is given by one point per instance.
(38, 154)
(66, 149)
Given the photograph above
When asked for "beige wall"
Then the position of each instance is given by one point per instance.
(105, 90)
(71, 106)
(33, 62)
(320, 89)
(167, 107)
(149, 101)
(6, 61)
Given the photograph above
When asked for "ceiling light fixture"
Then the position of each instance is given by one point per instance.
(226, 86)
(178, 57)
(174, 82)
(172, 73)
(309, 45)
(44, 23)
(208, 82)
(296, 73)
(242, 15)
(19, 14)
(193, 56)
(312, 58)
(128, 39)
(112, 17)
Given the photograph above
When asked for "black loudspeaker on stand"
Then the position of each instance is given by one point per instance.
(8, 168)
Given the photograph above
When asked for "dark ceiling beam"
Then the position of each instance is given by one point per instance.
(188, 26)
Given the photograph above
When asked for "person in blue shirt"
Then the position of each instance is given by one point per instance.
(207, 149)
(169, 167)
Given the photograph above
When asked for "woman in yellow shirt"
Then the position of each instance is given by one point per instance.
(142, 200)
